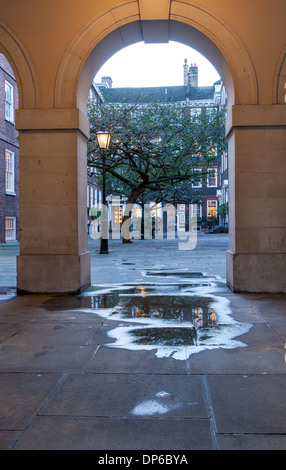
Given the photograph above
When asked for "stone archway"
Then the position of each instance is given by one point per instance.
(54, 255)
(22, 67)
(279, 84)
(126, 24)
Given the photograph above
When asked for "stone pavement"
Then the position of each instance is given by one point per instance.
(71, 379)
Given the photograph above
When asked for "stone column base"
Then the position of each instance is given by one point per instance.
(57, 274)
(256, 273)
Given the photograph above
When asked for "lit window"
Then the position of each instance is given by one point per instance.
(10, 172)
(117, 215)
(212, 178)
(10, 228)
(9, 102)
(212, 208)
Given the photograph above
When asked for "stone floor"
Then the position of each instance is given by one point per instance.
(71, 379)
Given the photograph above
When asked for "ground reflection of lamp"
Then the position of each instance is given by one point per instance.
(103, 140)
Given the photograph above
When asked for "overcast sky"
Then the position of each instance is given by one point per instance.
(142, 65)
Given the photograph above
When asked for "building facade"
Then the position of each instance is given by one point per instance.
(212, 191)
(93, 192)
(9, 155)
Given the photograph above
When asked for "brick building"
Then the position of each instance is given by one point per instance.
(213, 191)
(9, 155)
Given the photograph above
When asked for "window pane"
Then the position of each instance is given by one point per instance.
(9, 171)
(9, 104)
(211, 208)
(212, 177)
(10, 228)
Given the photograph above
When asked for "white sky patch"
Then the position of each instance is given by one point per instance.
(144, 65)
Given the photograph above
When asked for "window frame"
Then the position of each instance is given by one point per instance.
(14, 237)
(208, 204)
(10, 190)
(199, 210)
(212, 176)
(9, 104)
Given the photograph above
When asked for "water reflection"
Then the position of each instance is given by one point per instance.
(183, 274)
(192, 309)
(173, 320)
(165, 336)
(176, 320)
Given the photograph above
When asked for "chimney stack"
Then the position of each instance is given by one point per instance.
(186, 68)
(193, 76)
(107, 80)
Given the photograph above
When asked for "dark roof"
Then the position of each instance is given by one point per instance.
(167, 94)
(200, 93)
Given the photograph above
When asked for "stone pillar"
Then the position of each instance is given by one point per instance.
(256, 259)
(54, 255)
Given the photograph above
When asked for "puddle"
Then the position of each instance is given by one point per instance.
(176, 274)
(164, 336)
(103, 298)
(172, 307)
(174, 320)
(171, 319)
(7, 293)
(198, 279)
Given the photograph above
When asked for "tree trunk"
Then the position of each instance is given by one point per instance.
(132, 198)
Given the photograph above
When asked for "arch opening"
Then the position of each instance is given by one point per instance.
(153, 31)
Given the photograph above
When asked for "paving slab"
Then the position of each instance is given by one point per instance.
(45, 358)
(129, 396)
(245, 361)
(116, 434)
(248, 404)
(22, 395)
(251, 442)
(122, 361)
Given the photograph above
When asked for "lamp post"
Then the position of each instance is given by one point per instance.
(103, 140)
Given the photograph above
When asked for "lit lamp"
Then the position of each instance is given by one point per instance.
(103, 140)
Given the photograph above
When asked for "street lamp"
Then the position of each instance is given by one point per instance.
(103, 140)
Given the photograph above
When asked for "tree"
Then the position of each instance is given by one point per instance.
(223, 211)
(155, 148)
